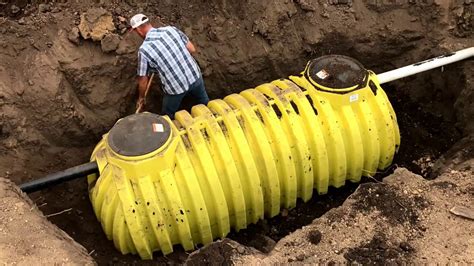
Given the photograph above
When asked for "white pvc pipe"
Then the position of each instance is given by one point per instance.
(425, 65)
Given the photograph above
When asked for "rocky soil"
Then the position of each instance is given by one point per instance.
(67, 73)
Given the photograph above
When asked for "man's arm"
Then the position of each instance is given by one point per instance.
(142, 83)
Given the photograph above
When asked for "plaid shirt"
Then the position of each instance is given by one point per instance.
(164, 51)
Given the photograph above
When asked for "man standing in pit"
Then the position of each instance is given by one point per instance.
(168, 52)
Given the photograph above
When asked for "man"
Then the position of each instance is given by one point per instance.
(167, 51)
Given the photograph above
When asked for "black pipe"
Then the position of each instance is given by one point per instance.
(60, 177)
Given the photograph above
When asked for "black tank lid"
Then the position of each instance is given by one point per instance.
(139, 134)
(336, 71)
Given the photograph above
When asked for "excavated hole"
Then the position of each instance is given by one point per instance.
(425, 136)
(427, 128)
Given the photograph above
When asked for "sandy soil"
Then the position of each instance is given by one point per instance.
(28, 238)
(60, 92)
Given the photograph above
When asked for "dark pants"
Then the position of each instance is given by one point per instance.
(171, 103)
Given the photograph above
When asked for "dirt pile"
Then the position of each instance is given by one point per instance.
(27, 238)
(405, 219)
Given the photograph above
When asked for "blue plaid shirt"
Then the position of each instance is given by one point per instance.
(164, 51)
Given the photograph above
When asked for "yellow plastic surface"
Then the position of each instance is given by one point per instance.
(238, 160)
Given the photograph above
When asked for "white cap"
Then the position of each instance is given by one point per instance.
(138, 20)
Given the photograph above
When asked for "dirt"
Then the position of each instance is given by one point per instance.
(416, 229)
(377, 252)
(28, 238)
(59, 92)
(388, 202)
(220, 252)
(290, 220)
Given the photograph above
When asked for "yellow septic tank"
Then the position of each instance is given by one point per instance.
(238, 160)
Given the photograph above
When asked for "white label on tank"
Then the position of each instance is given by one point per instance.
(354, 97)
(323, 74)
(158, 127)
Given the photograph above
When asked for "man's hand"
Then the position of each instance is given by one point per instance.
(190, 47)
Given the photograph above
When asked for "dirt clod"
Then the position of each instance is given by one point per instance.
(96, 23)
(314, 237)
(306, 6)
(405, 246)
(217, 253)
(43, 8)
(110, 43)
(14, 9)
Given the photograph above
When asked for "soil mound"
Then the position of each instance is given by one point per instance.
(28, 238)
